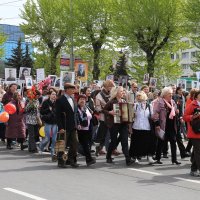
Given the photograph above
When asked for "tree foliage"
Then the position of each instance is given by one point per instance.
(27, 59)
(148, 24)
(94, 22)
(2, 40)
(50, 22)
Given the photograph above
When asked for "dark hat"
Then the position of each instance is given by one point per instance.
(68, 86)
(81, 96)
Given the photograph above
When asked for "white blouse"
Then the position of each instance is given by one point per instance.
(142, 115)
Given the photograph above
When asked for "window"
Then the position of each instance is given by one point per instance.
(193, 54)
(185, 55)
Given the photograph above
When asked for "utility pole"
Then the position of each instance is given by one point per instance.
(71, 39)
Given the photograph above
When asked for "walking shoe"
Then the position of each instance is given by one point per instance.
(165, 156)
(151, 160)
(23, 147)
(110, 160)
(176, 162)
(158, 162)
(195, 173)
(129, 162)
(61, 165)
(115, 152)
(54, 158)
(74, 165)
(102, 152)
(91, 162)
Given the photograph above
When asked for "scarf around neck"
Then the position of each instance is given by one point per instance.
(171, 106)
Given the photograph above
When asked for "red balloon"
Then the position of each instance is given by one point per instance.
(10, 108)
(4, 117)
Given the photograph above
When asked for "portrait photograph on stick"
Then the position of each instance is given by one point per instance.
(153, 82)
(29, 82)
(10, 74)
(24, 71)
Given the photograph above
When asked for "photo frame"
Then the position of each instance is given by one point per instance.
(40, 74)
(123, 81)
(29, 82)
(10, 75)
(23, 72)
(66, 77)
(110, 77)
(195, 84)
(81, 70)
(181, 83)
(153, 82)
(53, 79)
(146, 78)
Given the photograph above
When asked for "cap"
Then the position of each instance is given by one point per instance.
(68, 86)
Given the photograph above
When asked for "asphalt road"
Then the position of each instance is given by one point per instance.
(33, 176)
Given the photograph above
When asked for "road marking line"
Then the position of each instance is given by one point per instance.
(144, 171)
(24, 194)
(188, 180)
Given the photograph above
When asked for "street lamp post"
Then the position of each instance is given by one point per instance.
(71, 39)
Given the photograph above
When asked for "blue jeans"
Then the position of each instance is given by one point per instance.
(49, 128)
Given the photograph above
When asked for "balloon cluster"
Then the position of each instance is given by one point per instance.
(10, 109)
(45, 83)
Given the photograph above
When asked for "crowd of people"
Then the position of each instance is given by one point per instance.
(85, 118)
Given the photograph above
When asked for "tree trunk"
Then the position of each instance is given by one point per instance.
(96, 70)
(53, 62)
(150, 65)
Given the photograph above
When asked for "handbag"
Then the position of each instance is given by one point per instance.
(195, 123)
(39, 121)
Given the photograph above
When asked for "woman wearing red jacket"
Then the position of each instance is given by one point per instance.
(192, 113)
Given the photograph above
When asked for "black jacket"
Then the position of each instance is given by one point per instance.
(66, 117)
(47, 115)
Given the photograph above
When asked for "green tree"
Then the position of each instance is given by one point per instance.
(147, 24)
(16, 60)
(2, 40)
(121, 67)
(94, 22)
(27, 60)
(191, 11)
(48, 21)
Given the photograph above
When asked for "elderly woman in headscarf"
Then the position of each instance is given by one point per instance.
(164, 115)
(142, 137)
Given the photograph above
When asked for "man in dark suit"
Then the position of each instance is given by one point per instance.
(66, 110)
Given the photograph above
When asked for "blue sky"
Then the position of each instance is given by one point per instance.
(10, 10)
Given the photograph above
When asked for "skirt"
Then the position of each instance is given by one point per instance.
(143, 143)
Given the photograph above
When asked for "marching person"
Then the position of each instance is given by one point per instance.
(66, 110)
(192, 113)
(32, 114)
(142, 138)
(84, 117)
(101, 99)
(116, 128)
(131, 96)
(164, 115)
(180, 103)
(15, 128)
(48, 113)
